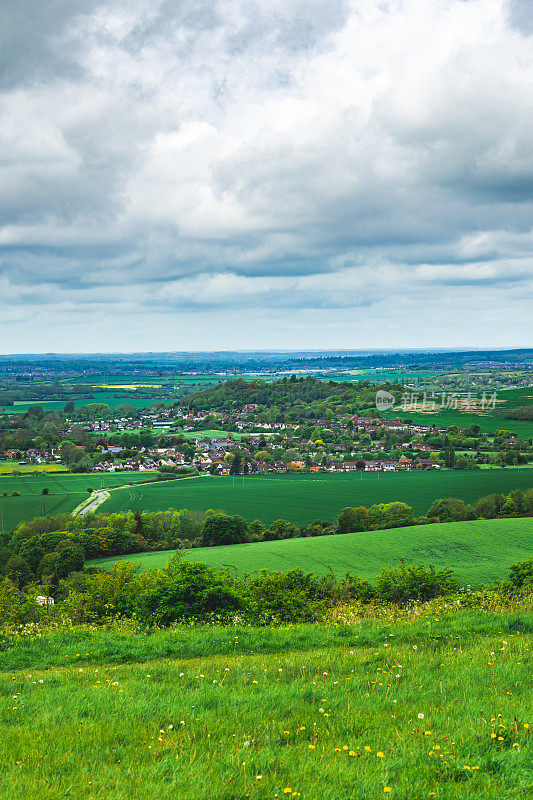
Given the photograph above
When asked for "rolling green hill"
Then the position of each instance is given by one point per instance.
(479, 551)
(303, 498)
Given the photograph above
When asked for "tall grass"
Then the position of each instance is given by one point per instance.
(434, 707)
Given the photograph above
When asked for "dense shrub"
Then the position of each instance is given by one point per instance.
(415, 582)
(286, 596)
(521, 576)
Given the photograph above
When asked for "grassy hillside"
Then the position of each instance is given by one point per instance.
(478, 551)
(304, 498)
(411, 709)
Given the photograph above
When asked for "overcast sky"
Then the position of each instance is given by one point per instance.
(211, 174)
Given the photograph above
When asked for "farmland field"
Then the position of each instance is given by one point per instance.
(66, 491)
(478, 552)
(20, 407)
(304, 498)
(492, 420)
(409, 709)
(10, 466)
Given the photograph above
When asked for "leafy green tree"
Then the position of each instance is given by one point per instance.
(450, 509)
(352, 520)
(221, 529)
(18, 571)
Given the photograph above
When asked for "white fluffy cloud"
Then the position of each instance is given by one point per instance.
(232, 174)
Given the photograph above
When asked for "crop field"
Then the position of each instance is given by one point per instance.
(479, 552)
(304, 498)
(20, 407)
(65, 492)
(488, 421)
(407, 709)
(14, 466)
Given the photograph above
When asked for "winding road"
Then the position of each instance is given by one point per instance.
(101, 496)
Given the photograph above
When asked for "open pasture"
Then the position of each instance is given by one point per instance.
(306, 497)
(478, 552)
(210, 434)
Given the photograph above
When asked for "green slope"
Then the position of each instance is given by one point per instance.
(478, 551)
(304, 498)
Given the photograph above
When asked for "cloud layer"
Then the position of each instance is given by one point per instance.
(315, 173)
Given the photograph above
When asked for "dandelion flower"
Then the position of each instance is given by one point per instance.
(387, 789)
(367, 748)
(287, 790)
(380, 754)
(311, 746)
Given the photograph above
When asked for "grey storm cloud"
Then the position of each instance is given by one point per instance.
(347, 163)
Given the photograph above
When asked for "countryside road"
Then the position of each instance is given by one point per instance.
(94, 504)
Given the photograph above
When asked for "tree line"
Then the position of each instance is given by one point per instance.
(48, 549)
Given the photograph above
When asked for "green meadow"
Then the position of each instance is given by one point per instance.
(407, 709)
(478, 552)
(302, 498)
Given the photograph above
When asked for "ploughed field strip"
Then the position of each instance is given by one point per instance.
(478, 551)
(304, 498)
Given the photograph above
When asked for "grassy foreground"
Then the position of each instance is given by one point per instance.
(478, 551)
(434, 707)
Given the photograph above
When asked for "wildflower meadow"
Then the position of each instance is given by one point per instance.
(408, 706)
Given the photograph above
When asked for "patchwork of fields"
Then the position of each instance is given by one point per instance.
(304, 498)
(65, 492)
(478, 552)
(492, 420)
